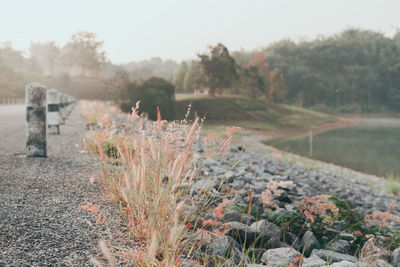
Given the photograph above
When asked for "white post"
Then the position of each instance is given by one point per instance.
(53, 111)
(63, 114)
(35, 99)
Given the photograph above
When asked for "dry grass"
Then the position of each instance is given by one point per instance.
(149, 173)
(94, 111)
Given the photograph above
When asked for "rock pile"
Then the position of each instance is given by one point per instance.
(259, 242)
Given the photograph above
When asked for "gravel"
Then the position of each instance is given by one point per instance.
(40, 220)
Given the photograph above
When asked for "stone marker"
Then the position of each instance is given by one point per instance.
(35, 100)
(53, 111)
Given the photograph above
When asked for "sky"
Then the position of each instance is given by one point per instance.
(179, 29)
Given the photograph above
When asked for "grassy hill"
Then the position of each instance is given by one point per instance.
(252, 114)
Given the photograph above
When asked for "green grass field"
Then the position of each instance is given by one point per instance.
(251, 114)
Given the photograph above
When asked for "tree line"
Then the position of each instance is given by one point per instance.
(353, 71)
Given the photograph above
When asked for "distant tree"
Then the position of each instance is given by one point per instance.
(218, 69)
(119, 85)
(251, 83)
(7, 80)
(254, 74)
(152, 93)
(277, 89)
(193, 77)
(180, 77)
(84, 51)
(46, 55)
(154, 67)
(12, 58)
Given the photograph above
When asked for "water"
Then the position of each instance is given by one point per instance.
(372, 146)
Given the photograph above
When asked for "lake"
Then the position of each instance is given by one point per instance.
(372, 146)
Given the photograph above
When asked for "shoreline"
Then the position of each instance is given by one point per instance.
(256, 143)
(339, 123)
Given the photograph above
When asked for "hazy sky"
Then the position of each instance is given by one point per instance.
(179, 29)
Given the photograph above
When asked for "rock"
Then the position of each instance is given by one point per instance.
(341, 246)
(381, 263)
(265, 226)
(292, 240)
(248, 236)
(332, 256)
(189, 263)
(395, 258)
(346, 236)
(279, 257)
(204, 184)
(370, 253)
(237, 184)
(254, 265)
(313, 261)
(248, 219)
(343, 264)
(255, 254)
(233, 216)
(271, 230)
(225, 247)
(309, 242)
(229, 175)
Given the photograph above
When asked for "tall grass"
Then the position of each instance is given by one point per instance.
(149, 174)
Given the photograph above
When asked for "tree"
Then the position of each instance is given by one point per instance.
(152, 93)
(12, 58)
(180, 77)
(218, 69)
(276, 90)
(251, 82)
(254, 74)
(119, 85)
(85, 52)
(46, 54)
(191, 82)
(7, 80)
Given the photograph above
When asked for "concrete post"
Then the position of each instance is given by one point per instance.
(35, 98)
(53, 111)
(63, 105)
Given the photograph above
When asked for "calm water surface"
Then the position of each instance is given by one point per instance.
(372, 146)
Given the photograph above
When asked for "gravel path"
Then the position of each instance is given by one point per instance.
(40, 220)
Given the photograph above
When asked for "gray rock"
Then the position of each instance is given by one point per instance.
(309, 242)
(279, 257)
(381, 263)
(395, 258)
(248, 236)
(292, 240)
(255, 254)
(265, 226)
(313, 261)
(225, 247)
(341, 246)
(233, 216)
(346, 236)
(237, 184)
(254, 265)
(248, 219)
(189, 263)
(332, 256)
(204, 184)
(343, 264)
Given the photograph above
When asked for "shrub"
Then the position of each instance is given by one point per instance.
(152, 93)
